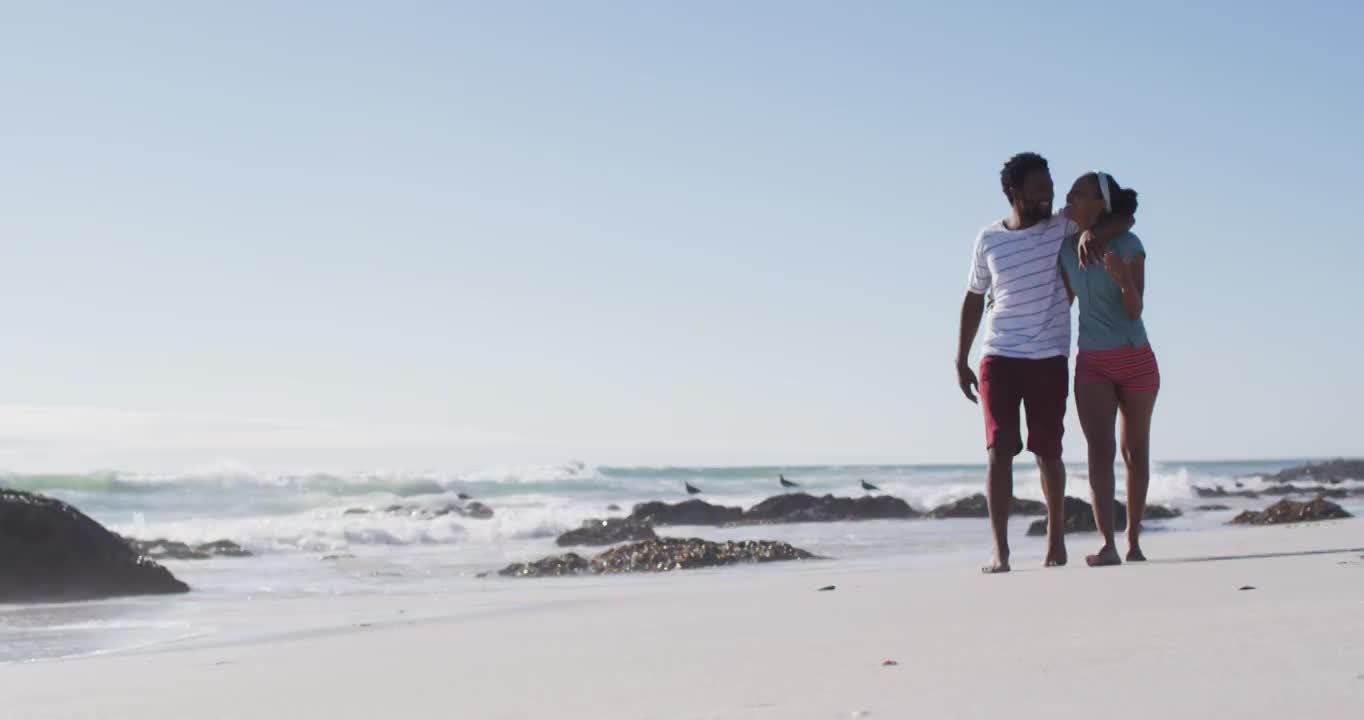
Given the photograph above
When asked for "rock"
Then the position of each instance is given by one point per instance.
(557, 566)
(975, 507)
(665, 554)
(660, 555)
(50, 551)
(474, 510)
(1291, 511)
(339, 556)
(1221, 492)
(1080, 517)
(802, 507)
(1212, 508)
(687, 512)
(1319, 490)
(1160, 512)
(607, 532)
(161, 549)
(613, 508)
(1333, 472)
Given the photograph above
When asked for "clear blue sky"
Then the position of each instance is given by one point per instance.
(441, 234)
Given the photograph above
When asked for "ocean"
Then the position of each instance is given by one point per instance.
(307, 546)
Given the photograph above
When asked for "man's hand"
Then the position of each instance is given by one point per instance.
(966, 379)
(1090, 250)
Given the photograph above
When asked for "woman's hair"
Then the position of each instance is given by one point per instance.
(1124, 199)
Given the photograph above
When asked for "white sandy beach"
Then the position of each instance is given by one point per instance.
(1175, 638)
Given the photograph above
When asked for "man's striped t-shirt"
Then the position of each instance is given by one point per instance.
(1029, 313)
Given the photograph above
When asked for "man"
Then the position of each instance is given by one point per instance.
(1027, 343)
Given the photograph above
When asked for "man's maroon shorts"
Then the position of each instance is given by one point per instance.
(1042, 386)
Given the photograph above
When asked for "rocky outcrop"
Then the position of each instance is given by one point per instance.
(162, 549)
(660, 555)
(1221, 492)
(976, 507)
(607, 532)
(1160, 512)
(1212, 508)
(1290, 511)
(1080, 517)
(474, 510)
(559, 565)
(50, 551)
(687, 512)
(1333, 472)
(1318, 490)
(802, 507)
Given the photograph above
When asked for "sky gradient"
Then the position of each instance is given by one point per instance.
(453, 234)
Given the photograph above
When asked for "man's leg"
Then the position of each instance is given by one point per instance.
(1000, 393)
(999, 497)
(1044, 400)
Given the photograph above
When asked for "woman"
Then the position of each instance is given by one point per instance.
(1115, 371)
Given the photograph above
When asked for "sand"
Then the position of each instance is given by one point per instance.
(1173, 638)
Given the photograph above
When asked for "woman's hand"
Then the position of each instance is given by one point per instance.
(1119, 269)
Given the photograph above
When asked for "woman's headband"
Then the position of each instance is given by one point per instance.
(1103, 190)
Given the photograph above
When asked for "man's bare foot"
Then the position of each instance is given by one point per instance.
(1106, 556)
(1056, 556)
(996, 567)
(1134, 554)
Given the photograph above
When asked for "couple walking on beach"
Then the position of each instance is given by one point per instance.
(1026, 270)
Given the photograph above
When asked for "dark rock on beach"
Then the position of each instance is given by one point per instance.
(1319, 490)
(1221, 492)
(666, 554)
(474, 510)
(50, 551)
(1080, 517)
(559, 565)
(1291, 511)
(1212, 508)
(660, 555)
(976, 507)
(607, 532)
(162, 549)
(688, 512)
(1160, 512)
(1333, 472)
(802, 507)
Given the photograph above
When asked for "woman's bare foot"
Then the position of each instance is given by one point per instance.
(1134, 553)
(1108, 555)
(1000, 565)
(1056, 556)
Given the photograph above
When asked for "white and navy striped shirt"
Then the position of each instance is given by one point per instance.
(1029, 315)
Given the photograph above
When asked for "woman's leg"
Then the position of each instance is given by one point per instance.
(1097, 404)
(1137, 408)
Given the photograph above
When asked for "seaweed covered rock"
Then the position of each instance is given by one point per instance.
(660, 555)
(1291, 511)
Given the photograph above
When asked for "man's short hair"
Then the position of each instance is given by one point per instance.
(1019, 167)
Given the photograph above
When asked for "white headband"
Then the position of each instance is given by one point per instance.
(1103, 189)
